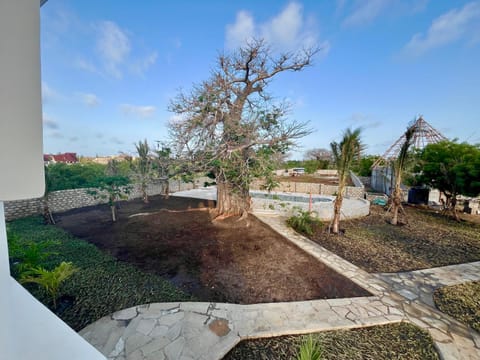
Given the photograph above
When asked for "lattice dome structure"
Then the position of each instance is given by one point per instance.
(423, 135)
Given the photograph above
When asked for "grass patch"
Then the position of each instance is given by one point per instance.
(102, 285)
(392, 341)
(428, 240)
(461, 301)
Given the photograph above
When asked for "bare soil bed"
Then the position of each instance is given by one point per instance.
(224, 261)
(427, 240)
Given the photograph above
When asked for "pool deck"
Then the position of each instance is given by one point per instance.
(189, 330)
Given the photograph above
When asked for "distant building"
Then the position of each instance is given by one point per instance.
(66, 158)
(105, 159)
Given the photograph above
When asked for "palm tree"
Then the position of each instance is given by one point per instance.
(345, 154)
(144, 167)
(398, 169)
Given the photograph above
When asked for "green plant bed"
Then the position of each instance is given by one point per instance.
(461, 301)
(101, 286)
(385, 342)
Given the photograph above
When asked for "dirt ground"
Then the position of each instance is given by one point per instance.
(427, 240)
(225, 261)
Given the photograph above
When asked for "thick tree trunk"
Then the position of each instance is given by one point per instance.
(230, 201)
(337, 207)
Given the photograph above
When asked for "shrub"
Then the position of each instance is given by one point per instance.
(309, 349)
(50, 280)
(304, 222)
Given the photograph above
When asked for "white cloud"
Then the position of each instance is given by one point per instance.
(365, 121)
(48, 93)
(176, 119)
(365, 11)
(116, 140)
(90, 100)
(447, 28)
(113, 46)
(86, 65)
(138, 111)
(241, 31)
(49, 123)
(142, 65)
(285, 31)
(56, 135)
(286, 27)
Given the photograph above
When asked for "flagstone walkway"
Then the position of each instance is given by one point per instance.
(188, 330)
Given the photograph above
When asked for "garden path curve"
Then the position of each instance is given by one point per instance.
(204, 331)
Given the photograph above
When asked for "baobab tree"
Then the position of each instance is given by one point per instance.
(344, 154)
(230, 126)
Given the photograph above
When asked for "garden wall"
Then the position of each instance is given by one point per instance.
(311, 188)
(64, 200)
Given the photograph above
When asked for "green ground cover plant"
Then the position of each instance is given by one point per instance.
(304, 222)
(461, 301)
(386, 342)
(102, 284)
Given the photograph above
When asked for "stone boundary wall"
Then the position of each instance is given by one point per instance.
(326, 172)
(63, 200)
(311, 188)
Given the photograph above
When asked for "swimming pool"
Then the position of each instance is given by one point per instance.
(289, 197)
(289, 204)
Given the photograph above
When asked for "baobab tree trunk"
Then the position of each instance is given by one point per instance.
(231, 201)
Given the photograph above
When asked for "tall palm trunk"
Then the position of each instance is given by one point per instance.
(399, 168)
(345, 154)
(337, 207)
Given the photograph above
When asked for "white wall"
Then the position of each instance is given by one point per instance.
(21, 143)
(28, 330)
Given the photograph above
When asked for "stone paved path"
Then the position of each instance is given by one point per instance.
(209, 330)
(420, 284)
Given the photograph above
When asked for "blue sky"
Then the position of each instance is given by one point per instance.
(110, 68)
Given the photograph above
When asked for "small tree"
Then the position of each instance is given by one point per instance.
(453, 168)
(112, 187)
(230, 126)
(165, 166)
(143, 167)
(47, 213)
(345, 154)
(50, 280)
(399, 166)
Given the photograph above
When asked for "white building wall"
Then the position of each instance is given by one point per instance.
(28, 330)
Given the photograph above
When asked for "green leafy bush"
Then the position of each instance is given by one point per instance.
(49, 280)
(102, 286)
(25, 255)
(309, 349)
(304, 222)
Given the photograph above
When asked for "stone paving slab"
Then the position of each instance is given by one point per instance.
(209, 330)
(420, 284)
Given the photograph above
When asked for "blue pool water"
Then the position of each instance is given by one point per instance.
(293, 198)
